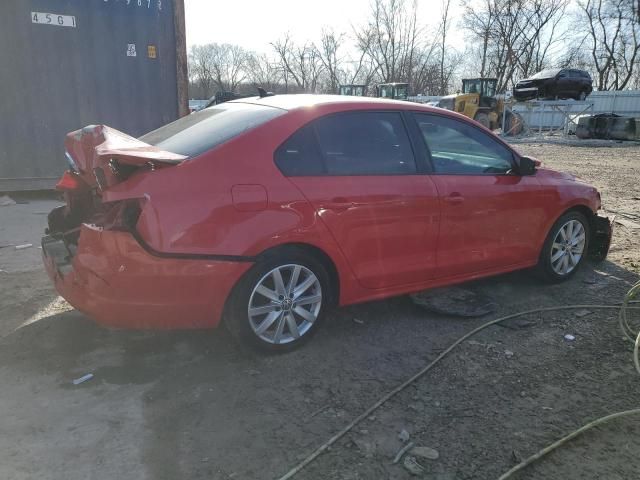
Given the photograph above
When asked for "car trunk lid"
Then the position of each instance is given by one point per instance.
(104, 156)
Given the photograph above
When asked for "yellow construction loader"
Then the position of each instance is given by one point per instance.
(478, 100)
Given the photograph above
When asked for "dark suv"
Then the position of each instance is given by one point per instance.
(554, 83)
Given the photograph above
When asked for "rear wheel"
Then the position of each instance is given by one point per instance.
(279, 303)
(565, 248)
(513, 124)
(582, 96)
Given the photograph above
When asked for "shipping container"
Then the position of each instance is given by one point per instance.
(65, 64)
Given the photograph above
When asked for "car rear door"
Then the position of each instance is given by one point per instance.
(489, 215)
(359, 171)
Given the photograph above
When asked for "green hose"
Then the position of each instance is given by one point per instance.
(629, 334)
(624, 321)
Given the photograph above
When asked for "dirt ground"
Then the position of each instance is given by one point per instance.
(178, 405)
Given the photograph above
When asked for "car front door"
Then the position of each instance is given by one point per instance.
(564, 84)
(359, 171)
(489, 215)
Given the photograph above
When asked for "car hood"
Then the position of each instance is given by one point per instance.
(556, 175)
(532, 81)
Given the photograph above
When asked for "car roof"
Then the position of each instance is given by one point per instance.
(295, 101)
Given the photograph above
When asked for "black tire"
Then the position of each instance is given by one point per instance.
(547, 268)
(483, 119)
(236, 316)
(513, 124)
(582, 96)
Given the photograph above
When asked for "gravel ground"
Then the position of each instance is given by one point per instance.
(168, 405)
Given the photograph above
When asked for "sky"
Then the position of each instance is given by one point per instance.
(253, 24)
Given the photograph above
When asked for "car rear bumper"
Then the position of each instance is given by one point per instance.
(115, 281)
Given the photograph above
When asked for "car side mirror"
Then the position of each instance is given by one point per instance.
(527, 166)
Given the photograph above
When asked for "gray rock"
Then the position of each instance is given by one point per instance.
(455, 301)
(404, 435)
(412, 466)
(425, 452)
(440, 476)
(367, 447)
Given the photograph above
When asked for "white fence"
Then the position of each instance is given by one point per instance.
(562, 114)
(424, 98)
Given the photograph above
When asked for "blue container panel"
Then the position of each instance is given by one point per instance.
(57, 78)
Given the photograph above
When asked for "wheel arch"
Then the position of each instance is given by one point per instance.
(315, 252)
(580, 208)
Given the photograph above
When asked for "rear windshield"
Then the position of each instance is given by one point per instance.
(208, 128)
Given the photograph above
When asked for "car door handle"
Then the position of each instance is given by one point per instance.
(454, 198)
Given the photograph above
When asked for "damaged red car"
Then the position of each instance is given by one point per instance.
(265, 212)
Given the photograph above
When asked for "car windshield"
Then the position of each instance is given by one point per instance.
(547, 73)
(401, 91)
(472, 86)
(208, 128)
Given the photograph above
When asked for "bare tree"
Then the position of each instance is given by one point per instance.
(480, 23)
(443, 29)
(264, 72)
(328, 53)
(398, 47)
(229, 65)
(515, 36)
(300, 65)
(219, 67)
(200, 74)
(390, 39)
(614, 34)
(539, 34)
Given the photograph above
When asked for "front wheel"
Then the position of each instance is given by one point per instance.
(565, 248)
(279, 303)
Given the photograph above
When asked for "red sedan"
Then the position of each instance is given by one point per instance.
(265, 212)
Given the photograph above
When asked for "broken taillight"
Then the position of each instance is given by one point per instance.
(122, 215)
(70, 181)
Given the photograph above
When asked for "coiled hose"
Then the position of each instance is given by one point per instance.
(627, 330)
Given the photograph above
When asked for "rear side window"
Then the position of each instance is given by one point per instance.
(349, 144)
(208, 128)
(300, 155)
(365, 143)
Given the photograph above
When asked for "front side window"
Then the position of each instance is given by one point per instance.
(460, 149)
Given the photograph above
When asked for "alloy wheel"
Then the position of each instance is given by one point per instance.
(568, 247)
(284, 304)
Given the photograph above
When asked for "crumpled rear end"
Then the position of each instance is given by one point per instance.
(111, 278)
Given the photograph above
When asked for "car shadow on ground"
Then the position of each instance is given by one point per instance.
(207, 404)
